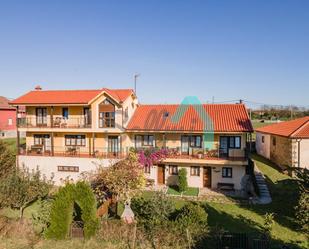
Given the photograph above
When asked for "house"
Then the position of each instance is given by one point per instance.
(73, 131)
(7, 119)
(285, 143)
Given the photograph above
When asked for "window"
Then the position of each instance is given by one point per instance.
(41, 116)
(65, 113)
(147, 169)
(263, 139)
(39, 138)
(113, 144)
(126, 113)
(274, 141)
(196, 141)
(75, 140)
(173, 170)
(10, 121)
(106, 114)
(190, 141)
(68, 168)
(107, 119)
(195, 171)
(227, 172)
(234, 142)
(144, 140)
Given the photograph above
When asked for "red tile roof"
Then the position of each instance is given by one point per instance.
(298, 128)
(69, 96)
(4, 104)
(225, 118)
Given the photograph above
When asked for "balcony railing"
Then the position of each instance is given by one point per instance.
(56, 122)
(107, 153)
(206, 154)
(72, 151)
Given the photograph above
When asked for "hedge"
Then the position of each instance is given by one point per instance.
(61, 214)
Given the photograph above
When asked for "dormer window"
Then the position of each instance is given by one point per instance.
(166, 114)
(106, 114)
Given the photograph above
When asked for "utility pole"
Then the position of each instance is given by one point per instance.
(135, 81)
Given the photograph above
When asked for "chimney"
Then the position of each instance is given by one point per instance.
(38, 88)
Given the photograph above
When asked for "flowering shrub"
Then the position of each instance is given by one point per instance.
(150, 157)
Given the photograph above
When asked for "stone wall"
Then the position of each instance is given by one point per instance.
(281, 153)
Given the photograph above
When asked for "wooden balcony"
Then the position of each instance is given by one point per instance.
(55, 122)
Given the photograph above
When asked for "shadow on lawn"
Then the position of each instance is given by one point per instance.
(285, 195)
(221, 221)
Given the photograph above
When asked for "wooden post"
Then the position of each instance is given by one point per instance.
(17, 137)
(89, 146)
(93, 143)
(52, 144)
(52, 116)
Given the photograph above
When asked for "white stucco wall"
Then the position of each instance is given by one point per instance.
(237, 174)
(49, 166)
(197, 181)
(263, 149)
(304, 153)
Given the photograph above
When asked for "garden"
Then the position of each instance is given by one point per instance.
(111, 209)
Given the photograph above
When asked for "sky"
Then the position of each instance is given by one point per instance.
(216, 50)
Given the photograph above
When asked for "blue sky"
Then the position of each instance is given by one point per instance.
(254, 50)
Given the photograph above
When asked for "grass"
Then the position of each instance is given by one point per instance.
(230, 217)
(11, 143)
(172, 190)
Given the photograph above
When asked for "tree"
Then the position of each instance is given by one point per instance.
(61, 214)
(182, 179)
(7, 160)
(122, 180)
(302, 208)
(22, 187)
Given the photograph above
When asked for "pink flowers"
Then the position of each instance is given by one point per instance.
(149, 157)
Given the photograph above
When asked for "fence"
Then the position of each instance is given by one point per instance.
(241, 241)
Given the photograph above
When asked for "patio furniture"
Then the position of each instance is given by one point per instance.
(225, 186)
(37, 148)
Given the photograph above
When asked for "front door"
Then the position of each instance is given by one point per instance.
(207, 177)
(161, 174)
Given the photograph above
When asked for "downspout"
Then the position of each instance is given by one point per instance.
(298, 146)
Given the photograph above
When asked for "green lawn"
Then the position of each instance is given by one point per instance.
(189, 192)
(11, 143)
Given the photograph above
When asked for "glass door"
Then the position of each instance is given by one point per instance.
(113, 145)
(41, 116)
(184, 145)
(224, 151)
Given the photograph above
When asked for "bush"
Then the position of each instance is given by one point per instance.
(152, 211)
(7, 160)
(183, 183)
(62, 210)
(302, 212)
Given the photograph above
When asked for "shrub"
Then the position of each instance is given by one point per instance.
(41, 218)
(191, 220)
(62, 210)
(7, 160)
(302, 212)
(268, 223)
(183, 183)
(152, 211)
(22, 187)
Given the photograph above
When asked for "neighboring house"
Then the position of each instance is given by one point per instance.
(285, 143)
(7, 119)
(71, 132)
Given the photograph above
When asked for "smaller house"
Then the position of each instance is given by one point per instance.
(285, 143)
(7, 119)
